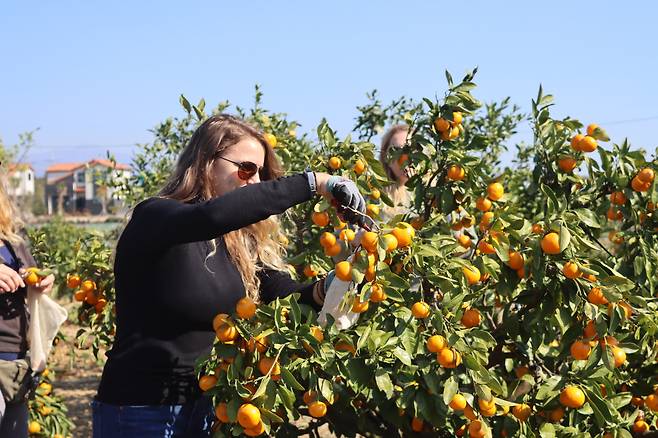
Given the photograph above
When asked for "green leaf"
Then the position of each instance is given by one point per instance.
(594, 357)
(364, 337)
(394, 295)
(448, 78)
(185, 103)
(548, 389)
(565, 237)
(232, 408)
(326, 389)
(262, 387)
(552, 201)
(495, 384)
(620, 400)
(200, 115)
(608, 359)
(295, 312)
(547, 430)
(483, 391)
(428, 251)
(383, 381)
(449, 390)
(274, 418)
(502, 249)
(433, 382)
(623, 284)
(359, 371)
(287, 397)
(357, 275)
(615, 318)
(402, 355)
(587, 217)
(290, 380)
(599, 407)
(472, 363)
(484, 336)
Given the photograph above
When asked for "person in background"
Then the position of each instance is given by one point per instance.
(15, 257)
(395, 168)
(399, 173)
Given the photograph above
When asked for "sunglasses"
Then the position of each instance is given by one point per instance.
(246, 169)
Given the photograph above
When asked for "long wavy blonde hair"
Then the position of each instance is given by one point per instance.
(397, 192)
(251, 248)
(10, 222)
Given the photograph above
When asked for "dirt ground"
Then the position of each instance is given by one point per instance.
(76, 381)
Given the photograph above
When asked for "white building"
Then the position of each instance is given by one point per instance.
(81, 187)
(20, 180)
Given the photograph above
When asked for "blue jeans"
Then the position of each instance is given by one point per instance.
(191, 420)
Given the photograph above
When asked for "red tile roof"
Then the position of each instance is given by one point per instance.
(59, 178)
(64, 167)
(108, 163)
(70, 167)
(12, 167)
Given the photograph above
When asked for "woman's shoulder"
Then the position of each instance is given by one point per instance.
(21, 247)
(156, 203)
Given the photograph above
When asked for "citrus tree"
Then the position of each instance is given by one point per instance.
(48, 414)
(82, 262)
(512, 301)
(534, 324)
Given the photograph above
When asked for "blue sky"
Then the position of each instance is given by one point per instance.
(97, 75)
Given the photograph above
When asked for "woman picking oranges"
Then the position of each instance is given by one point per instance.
(207, 241)
(14, 317)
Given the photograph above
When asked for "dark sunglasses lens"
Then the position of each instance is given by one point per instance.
(247, 170)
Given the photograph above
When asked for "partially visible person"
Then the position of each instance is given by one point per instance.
(14, 316)
(395, 168)
(398, 172)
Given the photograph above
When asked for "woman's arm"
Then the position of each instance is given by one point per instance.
(278, 284)
(158, 222)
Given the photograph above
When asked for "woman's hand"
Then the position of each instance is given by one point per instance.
(351, 204)
(45, 286)
(10, 280)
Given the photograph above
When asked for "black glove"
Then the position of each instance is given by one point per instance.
(348, 199)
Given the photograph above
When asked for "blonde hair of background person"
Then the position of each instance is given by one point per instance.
(10, 224)
(394, 138)
(190, 181)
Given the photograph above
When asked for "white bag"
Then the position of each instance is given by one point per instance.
(46, 316)
(344, 318)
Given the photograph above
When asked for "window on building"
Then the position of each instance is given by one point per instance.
(29, 177)
(80, 178)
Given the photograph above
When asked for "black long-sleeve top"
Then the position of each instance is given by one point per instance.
(166, 298)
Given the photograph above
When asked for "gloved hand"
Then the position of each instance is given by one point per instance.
(346, 194)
